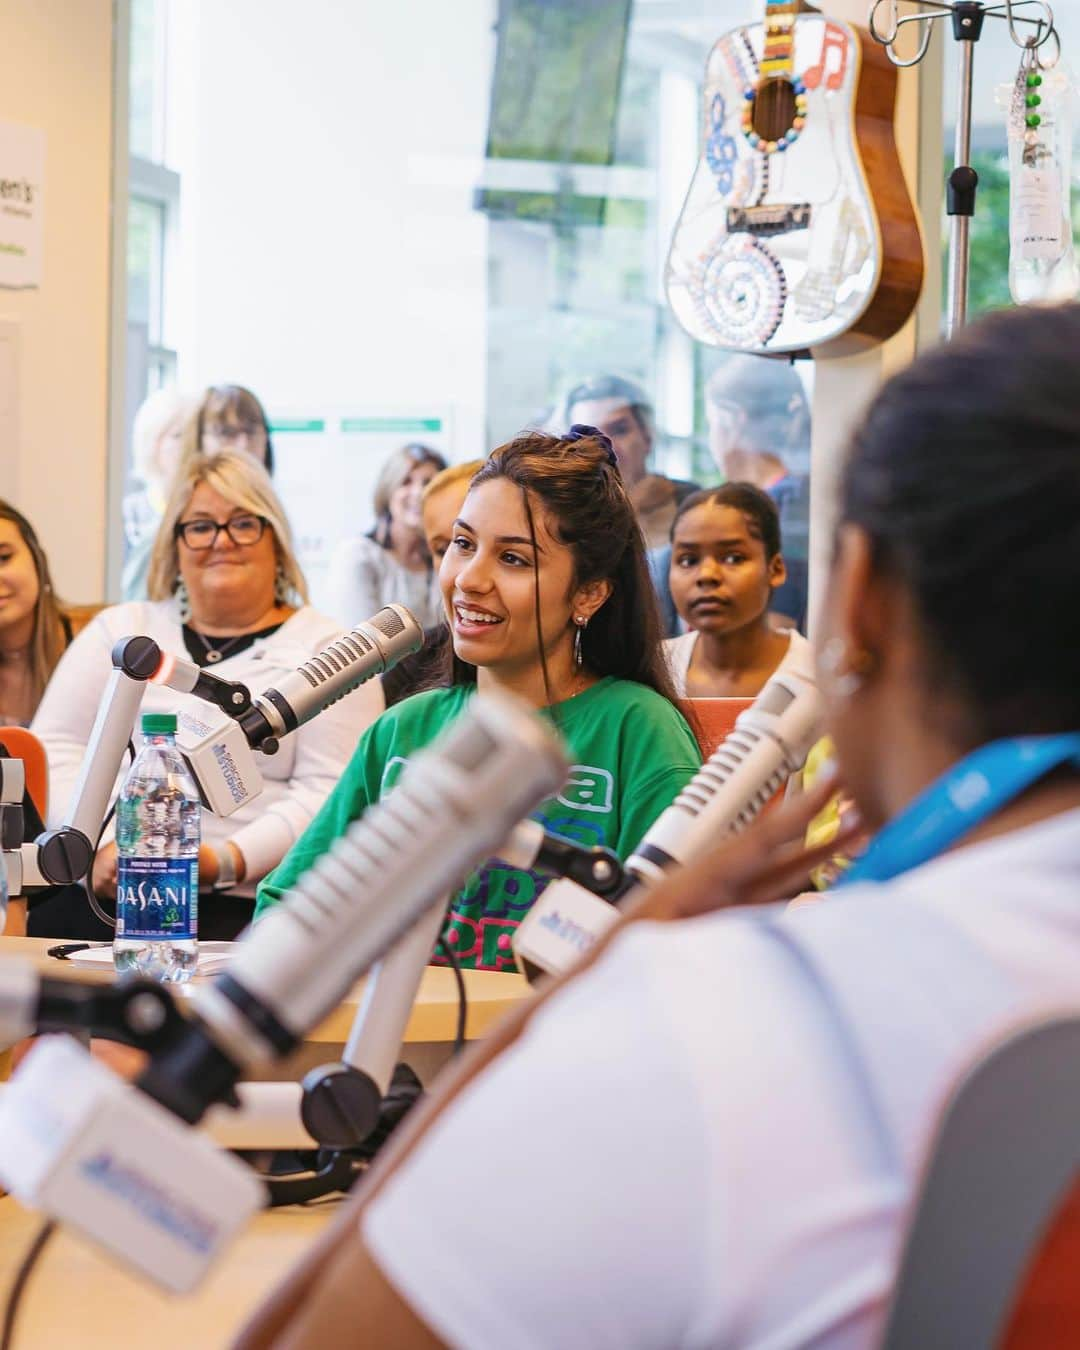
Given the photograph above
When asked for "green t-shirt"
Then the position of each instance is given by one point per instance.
(631, 754)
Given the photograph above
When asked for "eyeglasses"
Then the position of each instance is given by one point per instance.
(226, 431)
(200, 535)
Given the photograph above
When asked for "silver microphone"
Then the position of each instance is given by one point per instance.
(455, 804)
(770, 741)
(368, 649)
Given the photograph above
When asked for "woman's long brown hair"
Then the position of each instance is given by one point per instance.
(580, 492)
(50, 635)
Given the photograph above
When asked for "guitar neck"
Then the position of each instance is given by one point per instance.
(778, 58)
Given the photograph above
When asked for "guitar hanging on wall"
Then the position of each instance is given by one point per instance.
(797, 231)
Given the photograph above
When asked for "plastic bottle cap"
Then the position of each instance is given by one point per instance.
(159, 724)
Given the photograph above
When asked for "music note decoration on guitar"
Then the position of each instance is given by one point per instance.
(797, 231)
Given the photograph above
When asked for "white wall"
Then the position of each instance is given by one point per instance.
(57, 64)
(329, 254)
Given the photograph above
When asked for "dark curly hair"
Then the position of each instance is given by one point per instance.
(965, 475)
(758, 507)
(577, 486)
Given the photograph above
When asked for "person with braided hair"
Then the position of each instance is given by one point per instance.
(547, 595)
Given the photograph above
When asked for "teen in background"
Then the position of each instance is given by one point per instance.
(726, 566)
(33, 628)
(157, 439)
(793, 1065)
(391, 563)
(227, 592)
(547, 596)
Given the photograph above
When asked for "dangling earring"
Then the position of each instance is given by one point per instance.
(844, 675)
(282, 589)
(581, 621)
(183, 600)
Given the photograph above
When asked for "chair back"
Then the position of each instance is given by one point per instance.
(1006, 1151)
(712, 719)
(24, 745)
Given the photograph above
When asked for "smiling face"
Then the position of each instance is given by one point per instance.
(19, 587)
(228, 580)
(721, 580)
(489, 587)
(406, 500)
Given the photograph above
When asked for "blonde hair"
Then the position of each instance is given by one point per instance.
(448, 477)
(50, 634)
(244, 483)
(393, 473)
(156, 413)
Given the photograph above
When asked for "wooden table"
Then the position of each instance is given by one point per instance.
(434, 1016)
(78, 1298)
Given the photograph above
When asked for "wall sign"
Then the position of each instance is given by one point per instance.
(22, 204)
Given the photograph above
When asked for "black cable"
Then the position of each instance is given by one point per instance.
(88, 880)
(463, 998)
(33, 1253)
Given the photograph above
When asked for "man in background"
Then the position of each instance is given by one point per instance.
(759, 432)
(619, 409)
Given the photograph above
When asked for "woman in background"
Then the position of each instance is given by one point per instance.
(229, 417)
(726, 565)
(547, 597)
(442, 501)
(227, 592)
(33, 629)
(157, 438)
(391, 563)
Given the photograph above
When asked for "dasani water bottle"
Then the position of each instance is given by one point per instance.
(157, 845)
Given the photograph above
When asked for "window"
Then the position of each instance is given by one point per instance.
(153, 206)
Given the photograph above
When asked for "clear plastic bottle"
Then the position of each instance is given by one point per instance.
(157, 845)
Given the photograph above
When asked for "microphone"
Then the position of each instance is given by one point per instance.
(769, 742)
(220, 754)
(455, 804)
(369, 649)
(95, 1153)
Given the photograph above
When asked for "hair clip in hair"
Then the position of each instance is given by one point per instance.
(580, 431)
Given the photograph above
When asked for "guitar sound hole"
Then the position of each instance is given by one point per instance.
(774, 108)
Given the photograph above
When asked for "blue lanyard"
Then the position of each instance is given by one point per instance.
(972, 790)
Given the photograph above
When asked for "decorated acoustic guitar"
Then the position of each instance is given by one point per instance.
(797, 231)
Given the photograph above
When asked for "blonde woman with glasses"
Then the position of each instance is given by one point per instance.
(225, 591)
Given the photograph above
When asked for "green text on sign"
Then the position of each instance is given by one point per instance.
(403, 425)
(298, 424)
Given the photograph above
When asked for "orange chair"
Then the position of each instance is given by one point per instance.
(24, 745)
(992, 1249)
(711, 719)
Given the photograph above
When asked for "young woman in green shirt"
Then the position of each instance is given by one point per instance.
(548, 596)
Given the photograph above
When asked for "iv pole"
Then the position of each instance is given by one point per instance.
(967, 23)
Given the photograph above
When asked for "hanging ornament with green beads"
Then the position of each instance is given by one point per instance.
(1042, 264)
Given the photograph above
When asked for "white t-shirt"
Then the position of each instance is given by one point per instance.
(710, 1139)
(679, 650)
